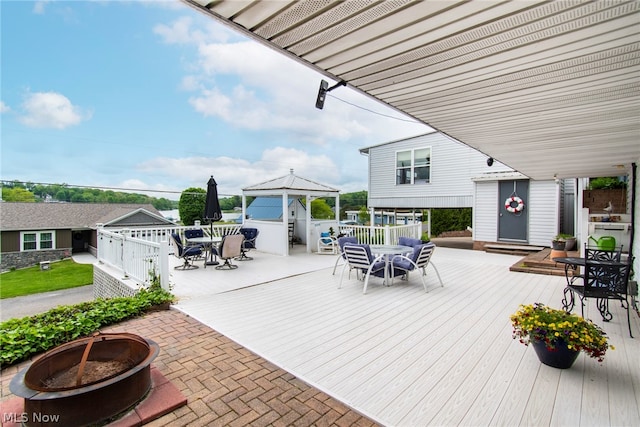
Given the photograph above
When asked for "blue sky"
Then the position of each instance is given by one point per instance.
(157, 96)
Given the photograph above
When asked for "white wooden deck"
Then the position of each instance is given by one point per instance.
(408, 358)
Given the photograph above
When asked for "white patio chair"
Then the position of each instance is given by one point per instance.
(358, 256)
(419, 259)
(327, 244)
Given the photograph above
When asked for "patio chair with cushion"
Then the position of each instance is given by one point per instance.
(341, 242)
(187, 254)
(194, 233)
(327, 244)
(359, 256)
(409, 241)
(249, 242)
(417, 260)
(230, 248)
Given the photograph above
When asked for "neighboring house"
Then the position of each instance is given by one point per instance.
(435, 171)
(270, 208)
(34, 232)
(388, 217)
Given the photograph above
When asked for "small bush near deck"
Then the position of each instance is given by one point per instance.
(22, 338)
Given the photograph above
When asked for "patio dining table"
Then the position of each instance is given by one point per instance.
(207, 242)
(571, 265)
(388, 251)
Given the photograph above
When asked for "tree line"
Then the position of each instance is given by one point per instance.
(15, 191)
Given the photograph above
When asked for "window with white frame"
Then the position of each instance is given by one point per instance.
(413, 166)
(36, 240)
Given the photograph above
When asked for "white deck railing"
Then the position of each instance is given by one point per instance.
(387, 235)
(141, 254)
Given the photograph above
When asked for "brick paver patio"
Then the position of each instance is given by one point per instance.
(224, 383)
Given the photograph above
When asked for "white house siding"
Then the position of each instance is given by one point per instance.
(485, 219)
(452, 166)
(543, 212)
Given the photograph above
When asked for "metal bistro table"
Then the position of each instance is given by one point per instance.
(571, 265)
(208, 243)
(387, 251)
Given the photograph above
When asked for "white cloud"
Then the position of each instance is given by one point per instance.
(38, 6)
(233, 174)
(253, 87)
(4, 108)
(51, 110)
(182, 31)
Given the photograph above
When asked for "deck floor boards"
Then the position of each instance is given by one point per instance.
(405, 357)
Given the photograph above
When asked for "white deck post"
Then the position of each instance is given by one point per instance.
(164, 264)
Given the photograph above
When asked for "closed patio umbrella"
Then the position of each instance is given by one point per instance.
(212, 211)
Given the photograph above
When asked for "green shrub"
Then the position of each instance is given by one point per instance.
(450, 220)
(22, 338)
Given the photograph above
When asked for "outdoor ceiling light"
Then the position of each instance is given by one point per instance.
(322, 92)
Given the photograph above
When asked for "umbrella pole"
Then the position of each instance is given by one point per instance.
(211, 261)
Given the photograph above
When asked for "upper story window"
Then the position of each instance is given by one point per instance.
(35, 241)
(413, 166)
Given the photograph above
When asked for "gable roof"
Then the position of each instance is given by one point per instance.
(547, 88)
(291, 184)
(56, 216)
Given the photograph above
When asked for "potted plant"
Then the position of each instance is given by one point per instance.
(568, 239)
(557, 336)
(558, 244)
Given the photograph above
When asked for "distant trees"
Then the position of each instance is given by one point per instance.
(320, 209)
(191, 205)
(17, 194)
(16, 191)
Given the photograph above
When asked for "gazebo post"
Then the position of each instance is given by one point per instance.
(308, 221)
(285, 219)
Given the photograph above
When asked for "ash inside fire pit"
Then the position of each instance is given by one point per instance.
(94, 371)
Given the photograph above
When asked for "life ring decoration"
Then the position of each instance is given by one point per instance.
(519, 204)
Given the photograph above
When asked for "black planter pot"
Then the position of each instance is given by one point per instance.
(560, 357)
(558, 245)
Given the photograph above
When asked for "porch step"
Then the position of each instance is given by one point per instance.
(540, 263)
(511, 249)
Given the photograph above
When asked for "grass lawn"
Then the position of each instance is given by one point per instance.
(62, 275)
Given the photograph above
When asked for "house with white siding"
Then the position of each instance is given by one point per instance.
(433, 171)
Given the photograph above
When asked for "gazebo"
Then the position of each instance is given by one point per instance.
(274, 234)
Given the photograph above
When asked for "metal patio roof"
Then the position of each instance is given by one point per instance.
(547, 88)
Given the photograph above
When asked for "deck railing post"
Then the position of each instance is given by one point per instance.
(164, 264)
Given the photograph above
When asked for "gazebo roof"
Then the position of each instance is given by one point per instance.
(290, 184)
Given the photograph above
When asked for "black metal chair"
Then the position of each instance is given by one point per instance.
(187, 254)
(603, 255)
(291, 233)
(603, 281)
(600, 255)
(230, 248)
(249, 242)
